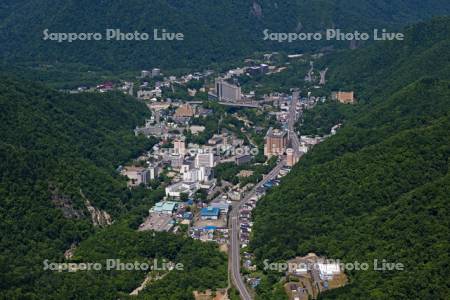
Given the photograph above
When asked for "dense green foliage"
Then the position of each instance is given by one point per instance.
(323, 117)
(379, 188)
(291, 74)
(62, 76)
(385, 67)
(220, 119)
(203, 266)
(54, 145)
(56, 150)
(214, 31)
(372, 191)
(229, 171)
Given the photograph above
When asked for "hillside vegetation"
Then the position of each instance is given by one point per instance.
(379, 188)
(385, 67)
(215, 31)
(56, 151)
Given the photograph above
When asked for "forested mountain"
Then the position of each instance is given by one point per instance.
(57, 151)
(385, 67)
(376, 72)
(379, 188)
(215, 31)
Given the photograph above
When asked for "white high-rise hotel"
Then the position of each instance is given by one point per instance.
(226, 91)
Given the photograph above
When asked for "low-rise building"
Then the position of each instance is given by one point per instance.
(188, 164)
(223, 207)
(156, 72)
(209, 213)
(147, 95)
(165, 207)
(136, 175)
(157, 106)
(258, 70)
(343, 97)
(152, 130)
(176, 161)
(196, 129)
(201, 174)
(215, 140)
(328, 270)
(243, 159)
(235, 195)
(184, 110)
(204, 160)
(176, 189)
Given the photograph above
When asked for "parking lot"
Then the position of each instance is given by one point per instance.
(157, 222)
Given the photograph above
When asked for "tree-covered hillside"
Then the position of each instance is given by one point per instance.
(215, 31)
(57, 151)
(379, 188)
(385, 67)
(375, 72)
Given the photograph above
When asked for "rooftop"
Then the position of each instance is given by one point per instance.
(275, 132)
(133, 169)
(209, 211)
(165, 206)
(329, 269)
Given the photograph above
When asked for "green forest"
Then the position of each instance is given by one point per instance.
(56, 151)
(379, 188)
(383, 68)
(324, 116)
(215, 32)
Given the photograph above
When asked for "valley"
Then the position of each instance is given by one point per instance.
(235, 150)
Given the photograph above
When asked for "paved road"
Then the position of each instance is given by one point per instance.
(295, 143)
(235, 259)
(235, 241)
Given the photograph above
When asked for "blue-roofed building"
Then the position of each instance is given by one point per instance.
(268, 184)
(189, 202)
(209, 213)
(187, 215)
(209, 228)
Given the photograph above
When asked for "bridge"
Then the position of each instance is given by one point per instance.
(241, 104)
